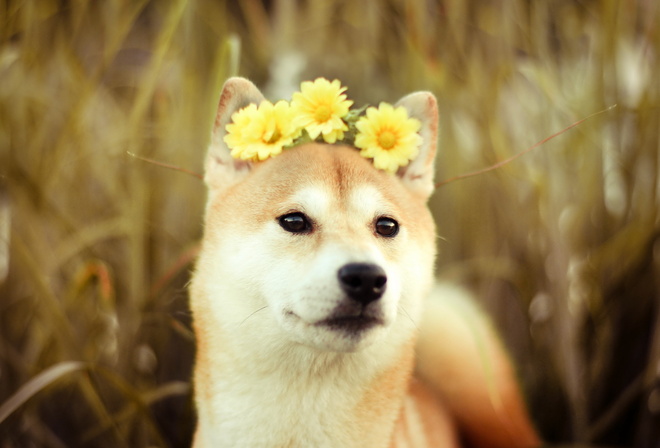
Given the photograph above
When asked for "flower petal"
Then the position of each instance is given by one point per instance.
(388, 136)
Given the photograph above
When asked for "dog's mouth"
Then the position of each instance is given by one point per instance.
(341, 330)
(351, 324)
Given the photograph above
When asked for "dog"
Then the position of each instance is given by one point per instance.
(317, 318)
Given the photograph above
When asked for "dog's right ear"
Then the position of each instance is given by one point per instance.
(418, 175)
(221, 169)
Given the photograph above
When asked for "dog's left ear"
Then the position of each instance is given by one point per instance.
(418, 174)
(221, 169)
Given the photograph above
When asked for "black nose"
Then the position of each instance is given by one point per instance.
(362, 282)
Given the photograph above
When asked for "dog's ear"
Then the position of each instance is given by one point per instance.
(221, 169)
(418, 174)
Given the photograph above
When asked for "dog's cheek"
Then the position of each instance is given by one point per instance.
(416, 279)
(392, 300)
(285, 269)
(306, 285)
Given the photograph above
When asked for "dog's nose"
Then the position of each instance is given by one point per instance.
(362, 282)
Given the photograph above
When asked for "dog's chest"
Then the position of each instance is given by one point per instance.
(285, 413)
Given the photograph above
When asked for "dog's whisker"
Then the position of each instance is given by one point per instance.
(253, 313)
(404, 311)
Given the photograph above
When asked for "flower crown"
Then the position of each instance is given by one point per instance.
(321, 112)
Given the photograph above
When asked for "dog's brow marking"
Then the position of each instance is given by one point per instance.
(367, 199)
(315, 200)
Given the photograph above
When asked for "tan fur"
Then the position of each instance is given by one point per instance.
(472, 373)
(265, 376)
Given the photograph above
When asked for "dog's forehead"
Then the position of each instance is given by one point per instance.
(322, 176)
(319, 198)
(324, 181)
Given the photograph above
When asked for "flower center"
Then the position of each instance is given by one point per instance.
(386, 140)
(272, 136)
(322, 113)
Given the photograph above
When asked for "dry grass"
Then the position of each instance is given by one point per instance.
(95, 246)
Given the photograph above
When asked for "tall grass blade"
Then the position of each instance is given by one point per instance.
(38, 384)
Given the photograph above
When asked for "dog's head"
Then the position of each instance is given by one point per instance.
(316, 245)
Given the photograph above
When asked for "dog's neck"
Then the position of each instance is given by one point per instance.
(280, 393)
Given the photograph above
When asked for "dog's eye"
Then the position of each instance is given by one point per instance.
(295, 223)
(387, 227)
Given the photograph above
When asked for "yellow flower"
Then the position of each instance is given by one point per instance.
(320, 107)
(258, 133)
(388, 136)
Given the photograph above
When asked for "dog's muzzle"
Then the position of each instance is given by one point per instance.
(362, 282)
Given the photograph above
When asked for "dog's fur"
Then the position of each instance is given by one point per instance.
(287, 358)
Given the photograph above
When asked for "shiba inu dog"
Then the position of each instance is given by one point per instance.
(313, 297)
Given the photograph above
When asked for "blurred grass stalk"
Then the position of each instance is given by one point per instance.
(560, 245)
(82, 84)
(5, 232)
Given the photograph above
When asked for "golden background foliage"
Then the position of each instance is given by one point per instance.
(96, 246)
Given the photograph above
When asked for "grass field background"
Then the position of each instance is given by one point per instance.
(96, 246)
